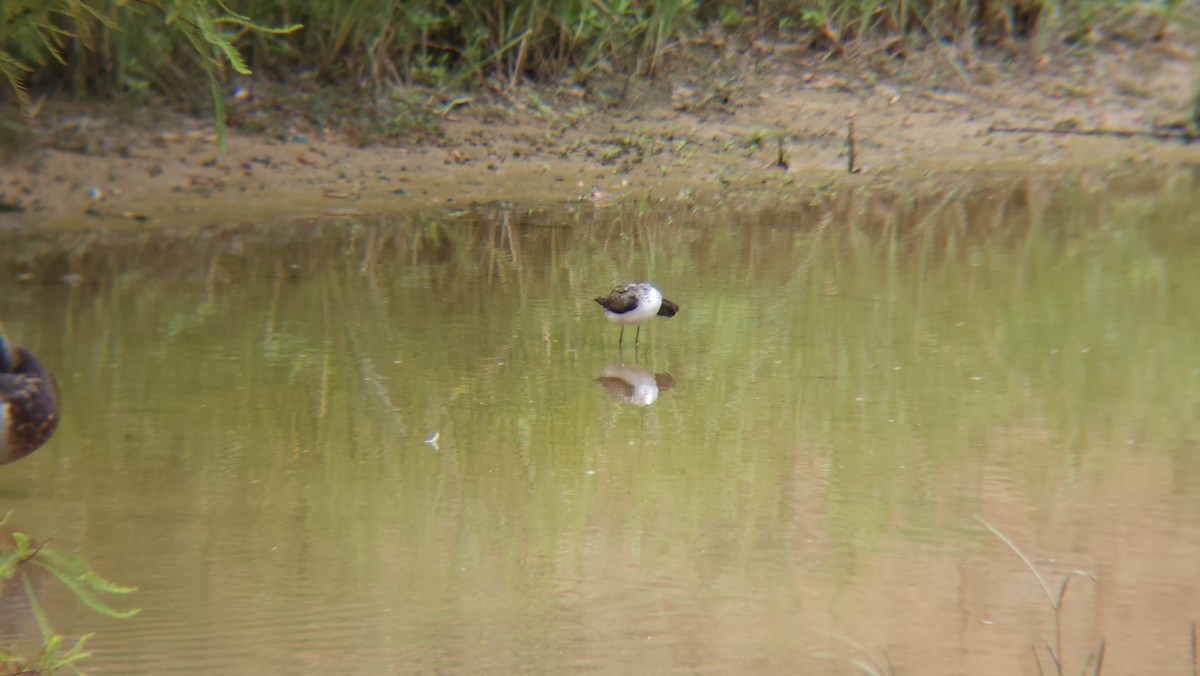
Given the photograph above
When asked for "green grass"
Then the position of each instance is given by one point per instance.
(191, 51)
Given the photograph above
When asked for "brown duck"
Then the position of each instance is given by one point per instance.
(28, 403)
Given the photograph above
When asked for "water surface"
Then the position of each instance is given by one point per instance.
(395, 444)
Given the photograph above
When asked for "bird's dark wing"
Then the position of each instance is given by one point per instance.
(620, 301)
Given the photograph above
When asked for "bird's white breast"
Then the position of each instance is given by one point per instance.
(649, 301)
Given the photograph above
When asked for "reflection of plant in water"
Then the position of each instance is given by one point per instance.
(866, 663)
(1054, 648)
(15, 559)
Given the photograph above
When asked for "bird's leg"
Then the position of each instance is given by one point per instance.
(638, 335)
(621, 340)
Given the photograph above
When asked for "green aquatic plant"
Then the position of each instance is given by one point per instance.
(17, 558)
(53, 657)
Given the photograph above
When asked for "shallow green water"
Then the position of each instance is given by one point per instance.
(847, 386)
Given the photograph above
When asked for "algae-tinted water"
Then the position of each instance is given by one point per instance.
(410, 444)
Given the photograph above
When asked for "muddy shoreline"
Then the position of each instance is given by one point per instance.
(678, 137)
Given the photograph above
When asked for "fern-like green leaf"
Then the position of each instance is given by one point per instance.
(208, 29)
(93, 13)
(22, 541)
(49, 653)
(76, 652)
(107, 586)
(9, 562)
(233, 17)
(14, 71)
(37, 31)
(83, 581)
(86, 596)
(67, 564)
(48, 634)
(52, 39)
(281, 30)
(229, 12)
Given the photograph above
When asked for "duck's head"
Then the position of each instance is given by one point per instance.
(28, 403)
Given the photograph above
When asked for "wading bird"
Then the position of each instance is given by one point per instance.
(635, 303)
(28, 403)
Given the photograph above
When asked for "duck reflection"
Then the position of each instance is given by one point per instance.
(633, 384)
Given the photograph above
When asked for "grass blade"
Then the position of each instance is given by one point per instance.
(1028, 564)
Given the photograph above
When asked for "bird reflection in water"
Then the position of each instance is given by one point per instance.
(633, 384)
